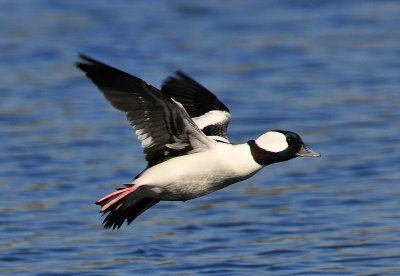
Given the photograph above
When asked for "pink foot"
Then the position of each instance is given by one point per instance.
(109, 200)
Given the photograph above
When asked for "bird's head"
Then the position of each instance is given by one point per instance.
(277, 146)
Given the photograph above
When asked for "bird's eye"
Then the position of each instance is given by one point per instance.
(289, 140)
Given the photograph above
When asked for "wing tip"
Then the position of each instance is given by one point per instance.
(85, 61)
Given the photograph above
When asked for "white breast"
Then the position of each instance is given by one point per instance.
(198, 174)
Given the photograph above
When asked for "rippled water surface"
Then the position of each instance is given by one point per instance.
(329, 70)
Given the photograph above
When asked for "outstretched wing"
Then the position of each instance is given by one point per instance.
(162, 124)
(209, 113)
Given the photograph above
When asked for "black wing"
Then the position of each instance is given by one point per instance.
(162, 124)
(209, 113)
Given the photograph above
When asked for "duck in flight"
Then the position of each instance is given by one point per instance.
(183, 131)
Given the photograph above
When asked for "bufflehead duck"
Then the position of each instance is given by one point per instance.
(183, 130)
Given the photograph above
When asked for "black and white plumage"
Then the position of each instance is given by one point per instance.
(161, 123)
(183, 130)
(210, 115)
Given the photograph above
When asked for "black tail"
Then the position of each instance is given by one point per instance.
(128, 211)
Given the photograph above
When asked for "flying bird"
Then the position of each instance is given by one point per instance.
(183, 132)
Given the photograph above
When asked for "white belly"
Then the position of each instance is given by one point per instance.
(190, 176)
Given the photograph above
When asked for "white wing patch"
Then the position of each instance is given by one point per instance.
(213, 117)
(272, 141)
(146, 142)
(144, 137)
(219, 138)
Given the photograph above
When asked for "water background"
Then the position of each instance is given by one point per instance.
(329, 70)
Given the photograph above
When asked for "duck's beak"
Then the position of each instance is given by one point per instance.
(306, 152)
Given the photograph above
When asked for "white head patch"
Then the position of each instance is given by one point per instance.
(272, 141)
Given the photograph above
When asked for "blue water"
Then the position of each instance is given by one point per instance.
(329, 70)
